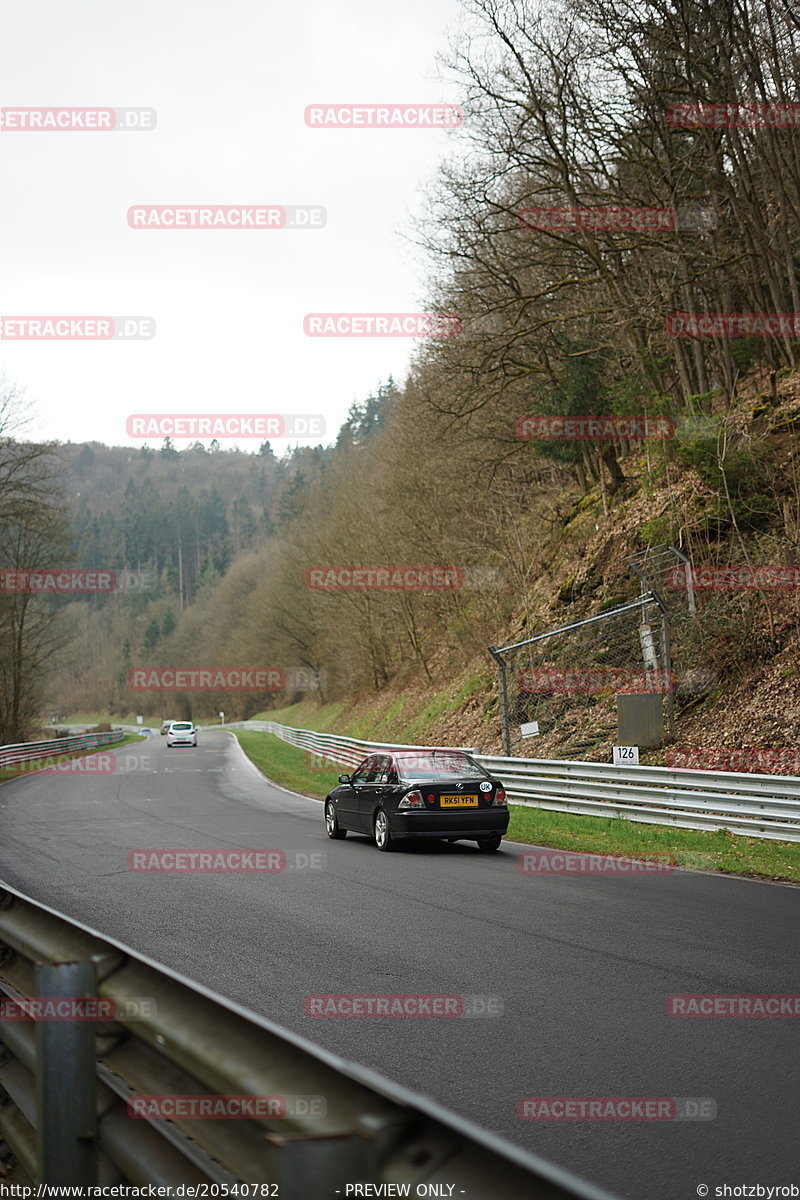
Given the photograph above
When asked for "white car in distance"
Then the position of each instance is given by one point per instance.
(181, 733)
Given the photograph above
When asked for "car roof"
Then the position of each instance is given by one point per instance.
(430, 754)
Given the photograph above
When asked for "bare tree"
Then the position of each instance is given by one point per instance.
(33, 536)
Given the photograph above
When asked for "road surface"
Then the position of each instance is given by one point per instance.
(582, 966)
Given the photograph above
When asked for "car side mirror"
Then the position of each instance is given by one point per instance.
(344, 779)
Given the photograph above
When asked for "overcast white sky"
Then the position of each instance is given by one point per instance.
(230, 83)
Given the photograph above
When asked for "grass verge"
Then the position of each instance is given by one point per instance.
(725, 852)
(286, 765)
(728, 853)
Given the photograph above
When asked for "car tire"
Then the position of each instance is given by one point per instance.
(332, 826)
(381, 832)
(490, 842)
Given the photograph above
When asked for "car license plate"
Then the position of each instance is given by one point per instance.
(458, 801)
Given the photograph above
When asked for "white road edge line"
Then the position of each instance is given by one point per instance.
(266, 778)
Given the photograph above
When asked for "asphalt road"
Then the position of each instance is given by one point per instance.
(582, 965)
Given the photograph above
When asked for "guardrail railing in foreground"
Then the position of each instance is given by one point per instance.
(760, 806)
(67, 1089)
(30, 751)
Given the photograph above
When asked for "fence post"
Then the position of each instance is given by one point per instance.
(689, 581)
(503, 698)
(668, 665)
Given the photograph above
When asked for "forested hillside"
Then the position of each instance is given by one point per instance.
(690, 319)
(536, 547)
(184, 515)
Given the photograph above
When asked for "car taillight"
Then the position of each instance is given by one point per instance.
(499, 797)
(412, 800)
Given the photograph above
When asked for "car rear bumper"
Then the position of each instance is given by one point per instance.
(421, 824)
(182, 741)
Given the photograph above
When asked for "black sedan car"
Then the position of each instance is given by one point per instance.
(413, 794)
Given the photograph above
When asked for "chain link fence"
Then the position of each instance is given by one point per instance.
(562, 684)
(670, 575)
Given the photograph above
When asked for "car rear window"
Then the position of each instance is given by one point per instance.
(439, 764)
(180, 726)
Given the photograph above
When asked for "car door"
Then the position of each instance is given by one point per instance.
(346, 801)
(372, 791)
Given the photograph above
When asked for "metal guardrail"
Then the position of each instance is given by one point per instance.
(29, 751)
(347, 750)
(761, 806)
(65, 1088)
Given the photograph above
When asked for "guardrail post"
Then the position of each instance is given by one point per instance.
(66, 1080)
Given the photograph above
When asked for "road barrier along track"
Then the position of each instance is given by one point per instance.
(82, 1101)
(760, 806)
(31, 751)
